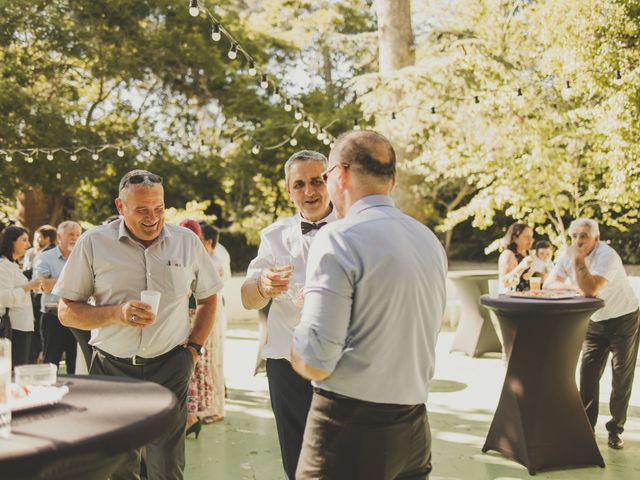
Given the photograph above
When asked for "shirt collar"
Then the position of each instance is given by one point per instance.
(368, 202)
(330, 217)
(58, 253)
(124, 233)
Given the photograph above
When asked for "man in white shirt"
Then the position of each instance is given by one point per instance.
(375, 294)
(292, 236)
(595, 269)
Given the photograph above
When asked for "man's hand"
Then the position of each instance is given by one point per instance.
(576, 253)
(195, 354)
(274, 281)
(135, 313)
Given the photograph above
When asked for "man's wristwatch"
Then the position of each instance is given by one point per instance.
(196, 346)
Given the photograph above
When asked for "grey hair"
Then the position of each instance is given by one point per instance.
(67, 225)
(594, 230)
(303, 156)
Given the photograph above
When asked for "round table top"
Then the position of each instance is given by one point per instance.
(108, 415)
(457, 274)
(574, 304)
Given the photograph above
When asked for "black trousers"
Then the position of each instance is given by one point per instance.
(56, 340)
(349, 439)
(20, 347)
(165, 456)
(618, 336)
(290, 401)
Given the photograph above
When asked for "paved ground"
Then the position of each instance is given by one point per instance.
(464, 396)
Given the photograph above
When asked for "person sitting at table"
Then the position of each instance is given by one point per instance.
(542, 264)
(595, 269)
(514, 261)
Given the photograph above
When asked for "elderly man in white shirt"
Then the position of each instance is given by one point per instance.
(595, 269)
(374, 300)
(290, 394)
(114, 263)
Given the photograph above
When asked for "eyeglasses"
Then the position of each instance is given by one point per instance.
(325, 174)
(140, 178)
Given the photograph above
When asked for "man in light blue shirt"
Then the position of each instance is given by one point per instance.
(56, 338)
(373, 306)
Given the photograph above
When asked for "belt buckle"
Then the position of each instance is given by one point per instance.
(133, 361)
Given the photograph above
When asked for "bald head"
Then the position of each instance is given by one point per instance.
(371, 152)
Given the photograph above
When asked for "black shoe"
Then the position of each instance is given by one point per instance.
(615, 441)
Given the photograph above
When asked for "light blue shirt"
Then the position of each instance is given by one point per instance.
(49, 264)
(373, 304)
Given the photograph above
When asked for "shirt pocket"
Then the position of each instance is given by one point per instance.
(177, 280)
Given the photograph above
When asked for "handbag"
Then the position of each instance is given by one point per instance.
(5, 325)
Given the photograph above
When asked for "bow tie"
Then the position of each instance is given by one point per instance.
(306, 227)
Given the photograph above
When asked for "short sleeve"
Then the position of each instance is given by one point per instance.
(76, 281)
(208, 282)
(41, 268)
(605, 264)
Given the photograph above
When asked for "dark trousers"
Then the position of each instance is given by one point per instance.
(165, 456)
(56, 340)
(349, 439)
(618, 336)
(82, 338)
(290, 401)
(20, 347)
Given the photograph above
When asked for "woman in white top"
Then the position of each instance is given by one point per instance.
(514, 261)
(14, 291)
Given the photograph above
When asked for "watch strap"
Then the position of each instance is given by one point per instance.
(196, 346)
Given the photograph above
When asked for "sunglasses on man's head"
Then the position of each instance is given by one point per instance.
(140, 178)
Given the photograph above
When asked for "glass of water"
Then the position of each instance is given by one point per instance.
(283, 265)
(5, 387)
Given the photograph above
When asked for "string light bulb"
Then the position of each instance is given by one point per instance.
(256, 149)
(264, 83)
(194, 10)
(215, 32)
(305, 122)
(58, 175)
(312, 128)
(8, 158)
(298, 114)
(276, 95)
(321, 135)
(476, 100)
(618, 78)
(73, 157)
(293, 142)
(326, 141)
(49, 156)
(252, 68)
(233, 51)
(95, 156)
(287, 106)
(393, 115)
(356, 124)
(120, 153)
(567, 91)
(433, 110)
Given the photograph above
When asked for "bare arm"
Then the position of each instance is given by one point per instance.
(589, 284)
(203, 323)
(48, 283)
(305, 370)
(85, 317)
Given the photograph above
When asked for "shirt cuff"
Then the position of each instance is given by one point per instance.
(314, 350)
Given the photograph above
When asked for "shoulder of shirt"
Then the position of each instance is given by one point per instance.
(182, 231)
(279, 225)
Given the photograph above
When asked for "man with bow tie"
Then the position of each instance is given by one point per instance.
(292, 236)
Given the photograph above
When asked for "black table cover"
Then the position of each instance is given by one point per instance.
(540, 421)
(87, 434)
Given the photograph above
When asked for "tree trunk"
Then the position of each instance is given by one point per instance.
(35, 208)
(396, 49)
(327, 73)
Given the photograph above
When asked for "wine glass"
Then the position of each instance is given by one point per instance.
(283, 265)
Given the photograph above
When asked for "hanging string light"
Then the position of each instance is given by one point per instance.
(215, 32)
(252, 68)
(194, 9)
(233, 51)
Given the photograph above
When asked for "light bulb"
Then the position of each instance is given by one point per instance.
(194, 10)
(233, 51)
(567, 91)
(298, 114)
(73, 157)
(433, 110)
(305, 122)
(8, 158)
(29, 159)
(58, 175)
(321, 135)
(287, 106)
(276, 95)
(312, 128)
(618, 79)
(120, 153)
(293, 142)
(95, 156)
(146, 153)
(264, 83)
(252, 68)
(256, 149)
(356, 125)
(49, 156)
(326, 141)
(393, 115)
(476, 100)
(215, 33)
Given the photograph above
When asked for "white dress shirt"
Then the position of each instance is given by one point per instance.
(618, 295)
(108, 264)
(373, 306)
(13, 296)
(283, 237)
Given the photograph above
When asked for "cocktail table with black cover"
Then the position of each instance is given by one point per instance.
(87, 435)
(540, 421)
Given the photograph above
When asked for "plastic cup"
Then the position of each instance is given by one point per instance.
(5, 387)
(151, 297)
(43, 374)
(535, 283)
